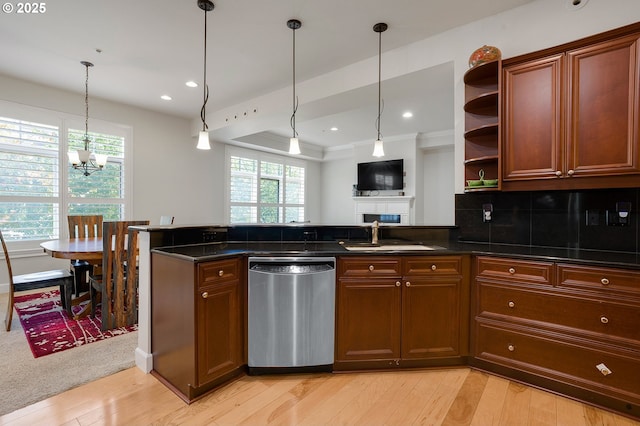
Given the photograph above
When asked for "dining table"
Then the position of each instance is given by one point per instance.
(89, 249)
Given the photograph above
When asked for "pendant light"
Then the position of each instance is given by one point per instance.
(203, 136)
(378, 148)
(294, 144)
(81, 159)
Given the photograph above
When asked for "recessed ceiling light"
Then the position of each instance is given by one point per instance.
(191, 84)
(165, 97)
(407, 114)
(334, 129)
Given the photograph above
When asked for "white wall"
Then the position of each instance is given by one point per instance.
(169, 175)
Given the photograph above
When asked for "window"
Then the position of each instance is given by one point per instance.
(265, 189)
(39, 188)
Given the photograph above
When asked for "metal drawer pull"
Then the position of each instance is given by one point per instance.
(512, 270)
(604, 320)
(511, 304)
(558, 173)
(408, 284)
(371, 268)
(205, 295)
(511, 348)
(570, 172)
(398, 284)
(605, 281)
(220, 273)
(433, 267)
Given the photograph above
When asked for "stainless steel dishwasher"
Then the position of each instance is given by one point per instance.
(291, 314)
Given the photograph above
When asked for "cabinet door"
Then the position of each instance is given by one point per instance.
(532, 121)
(430, 317)
(368, 320)
(219, 344)
(603, 109)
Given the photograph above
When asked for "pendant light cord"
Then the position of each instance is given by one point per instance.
(379, 82)
(205, 91)
(86, 108)
(295, 98)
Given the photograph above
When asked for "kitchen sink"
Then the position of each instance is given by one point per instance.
(389, 247)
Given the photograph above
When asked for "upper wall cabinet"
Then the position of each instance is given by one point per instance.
(481, 134)
(571, 115)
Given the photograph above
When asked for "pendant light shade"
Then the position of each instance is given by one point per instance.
(203, 137)
(294, 144)
(81, 158)
(378, 148)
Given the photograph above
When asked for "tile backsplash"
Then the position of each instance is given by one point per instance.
(587, 219)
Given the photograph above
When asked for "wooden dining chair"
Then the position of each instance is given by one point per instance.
(59, 277)
(83, 226)
(118, 283)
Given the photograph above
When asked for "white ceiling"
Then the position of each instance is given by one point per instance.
(152, 47)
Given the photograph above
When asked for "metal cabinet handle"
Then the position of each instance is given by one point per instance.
(604, 319)
(371, 268)
(511, 304)
(220, 273)
(398, 284)
(408, 284)
(570, 172)
(512, 271)
(511, 348)
(604, 281)
(434, 267)
(558, 173)
(205, 295)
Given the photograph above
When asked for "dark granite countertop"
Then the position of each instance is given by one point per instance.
(212, 251)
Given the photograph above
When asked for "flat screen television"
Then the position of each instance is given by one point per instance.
(381, 175)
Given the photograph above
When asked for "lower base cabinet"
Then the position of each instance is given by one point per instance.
(572, 329)
(408, 311)
(197, 322)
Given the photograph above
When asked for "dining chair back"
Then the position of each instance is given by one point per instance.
(59, 277)
(118, 284)
(83, 226)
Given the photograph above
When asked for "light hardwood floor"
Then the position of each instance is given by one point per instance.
(458, 396)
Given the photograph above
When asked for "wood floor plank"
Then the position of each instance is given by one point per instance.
(491, 402)
(466, 402)
(515, 411)
(380, 402)
(543, 410)
(435, 411)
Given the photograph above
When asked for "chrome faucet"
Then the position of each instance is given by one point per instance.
(374, 232)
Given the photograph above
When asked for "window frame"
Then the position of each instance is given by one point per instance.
(64, 122)
(261, 157)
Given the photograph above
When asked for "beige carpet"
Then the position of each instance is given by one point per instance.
(26, 379)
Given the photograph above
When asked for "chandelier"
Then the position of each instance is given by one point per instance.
(81, 159)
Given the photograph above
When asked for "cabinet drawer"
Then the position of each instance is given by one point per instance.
(601, 320)
(515, 270)
(565, 361)
(369, 266)
(432, 265)
(603, 280)
(218, 271)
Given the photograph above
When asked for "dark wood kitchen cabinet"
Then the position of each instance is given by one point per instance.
(405, 311)
(570, 328)
(570, 115)
(197, 323)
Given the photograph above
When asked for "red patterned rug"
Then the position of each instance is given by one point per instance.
(49, 329)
